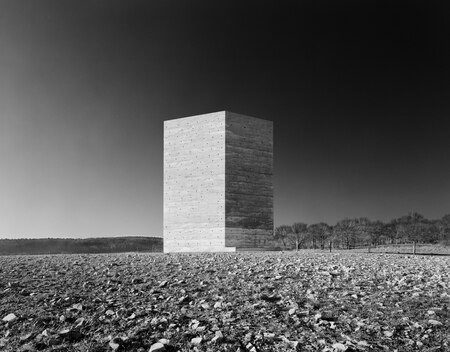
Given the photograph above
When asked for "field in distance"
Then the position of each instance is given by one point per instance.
(80, 245)
(408, 248)
(305, 301)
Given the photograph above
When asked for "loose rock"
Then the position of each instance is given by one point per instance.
(10, 317)
(196, 341)
(157, 347)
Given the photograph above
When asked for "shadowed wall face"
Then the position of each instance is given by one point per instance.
(248, 181)
(218, 193)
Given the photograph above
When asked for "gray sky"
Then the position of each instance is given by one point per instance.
(358, 94)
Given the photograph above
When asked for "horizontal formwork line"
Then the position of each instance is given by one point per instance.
(247, 194)
(229, 149)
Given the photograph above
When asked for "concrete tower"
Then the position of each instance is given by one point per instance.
(218, 190)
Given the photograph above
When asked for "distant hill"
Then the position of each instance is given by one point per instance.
(82, 245)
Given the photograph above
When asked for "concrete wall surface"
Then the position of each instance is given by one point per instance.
(194, 183)
(248, 181)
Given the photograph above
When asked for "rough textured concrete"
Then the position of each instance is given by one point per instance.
(248, 181)
(194, 183)
(218, 193)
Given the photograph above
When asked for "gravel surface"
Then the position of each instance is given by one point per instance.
(225, 302)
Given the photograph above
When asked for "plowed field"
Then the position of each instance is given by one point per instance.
(225, 302)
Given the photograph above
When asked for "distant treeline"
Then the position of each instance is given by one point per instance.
(82, 245)
(359, 232)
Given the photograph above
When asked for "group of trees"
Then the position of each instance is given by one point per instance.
(358, 232)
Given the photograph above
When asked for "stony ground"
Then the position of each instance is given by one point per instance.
(225, 302)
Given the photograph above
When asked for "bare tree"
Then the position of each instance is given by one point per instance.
(282, 232)
(345, 232)
(319, 232)
(443, 226)
(298, 233)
